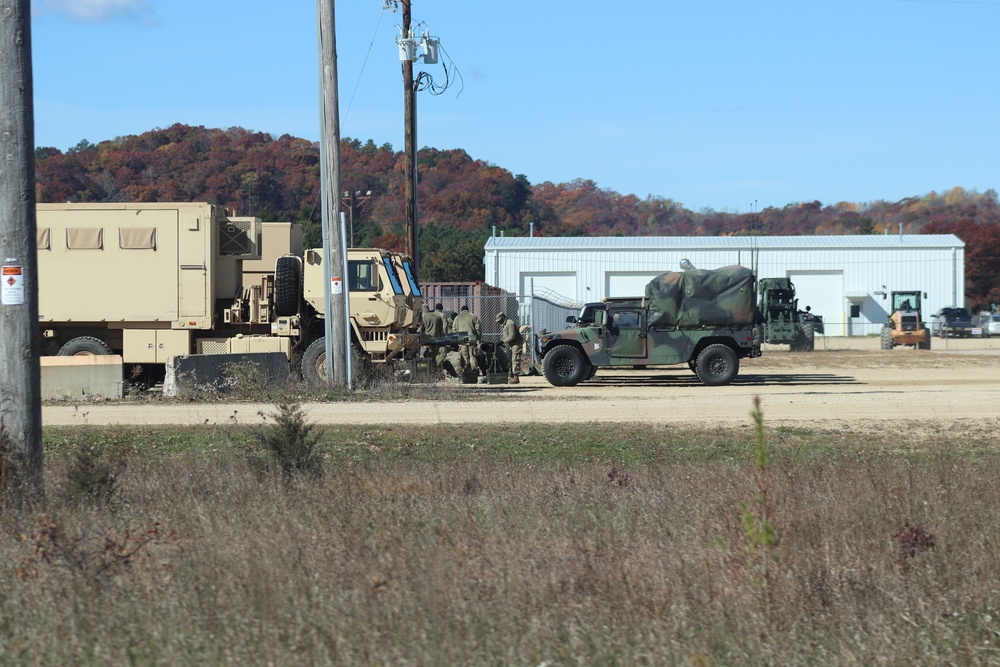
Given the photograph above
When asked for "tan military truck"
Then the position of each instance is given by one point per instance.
(152, 280)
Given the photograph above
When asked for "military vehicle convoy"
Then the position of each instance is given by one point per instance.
(148, 281)
(703, 318)
(784, 323)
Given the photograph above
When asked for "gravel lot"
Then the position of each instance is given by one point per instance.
(844, 383)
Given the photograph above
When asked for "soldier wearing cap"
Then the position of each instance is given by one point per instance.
(511, 337)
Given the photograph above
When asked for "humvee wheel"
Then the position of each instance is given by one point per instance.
(717, 365)
(886, 339)
(565, 366)
(314, 364)
(84, 346)
(591, 374)
(692, 364)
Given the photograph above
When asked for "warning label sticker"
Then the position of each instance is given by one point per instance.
(11, 286)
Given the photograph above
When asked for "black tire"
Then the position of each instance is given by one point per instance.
(717, 365)
(314, 364)
(565, 366)
(591, 374)
(693, 365)
(287, 286)
(84, 346)
(926, 345)
(363, 370)
(807, 340)
(886, 340)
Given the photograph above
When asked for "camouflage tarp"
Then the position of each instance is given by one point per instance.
(700, 297)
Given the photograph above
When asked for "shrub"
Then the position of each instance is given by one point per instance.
(91, 475)
(291, 441)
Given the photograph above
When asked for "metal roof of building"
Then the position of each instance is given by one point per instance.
(722, 242)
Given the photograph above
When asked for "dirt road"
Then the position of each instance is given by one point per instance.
(842, 382)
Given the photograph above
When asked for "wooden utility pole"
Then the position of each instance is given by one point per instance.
(335, 255)
(410, 149)
(20, 374)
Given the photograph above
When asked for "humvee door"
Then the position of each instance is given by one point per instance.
(626, 335)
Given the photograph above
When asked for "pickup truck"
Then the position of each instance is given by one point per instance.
(951, 321)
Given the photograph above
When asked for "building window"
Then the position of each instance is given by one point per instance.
(855, 310)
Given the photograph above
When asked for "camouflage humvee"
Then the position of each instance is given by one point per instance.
(704, 318)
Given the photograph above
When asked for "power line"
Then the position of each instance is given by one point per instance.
(357, 83)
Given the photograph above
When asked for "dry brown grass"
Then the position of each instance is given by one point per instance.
(441, 550)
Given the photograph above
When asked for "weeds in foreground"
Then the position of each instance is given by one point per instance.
(20, 478)
(911, 540)
(50, 546)
(447, 545)
(759, 536)
(92, 475)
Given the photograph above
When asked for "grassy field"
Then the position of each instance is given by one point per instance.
(593, 544)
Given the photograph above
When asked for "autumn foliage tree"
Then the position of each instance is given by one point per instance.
(463, 200)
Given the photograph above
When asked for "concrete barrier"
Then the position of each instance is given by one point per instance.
(201, 374)
(82, 377)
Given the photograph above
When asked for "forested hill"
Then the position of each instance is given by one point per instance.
(461, 199)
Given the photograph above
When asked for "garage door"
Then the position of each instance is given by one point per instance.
(628, 284)
(824, 292)
(562, 284)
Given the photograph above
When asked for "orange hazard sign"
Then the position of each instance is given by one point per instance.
(12, 285)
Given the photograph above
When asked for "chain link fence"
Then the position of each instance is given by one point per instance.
(543, 310)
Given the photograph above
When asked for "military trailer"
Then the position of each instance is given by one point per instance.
(784, 323)
(703, 318)
(148, 281)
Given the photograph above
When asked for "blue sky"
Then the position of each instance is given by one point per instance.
(723, 104)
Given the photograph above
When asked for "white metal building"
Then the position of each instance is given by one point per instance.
(846, 279)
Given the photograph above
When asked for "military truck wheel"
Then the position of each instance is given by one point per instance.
(84, 346)
(717, 365)
(565, 366)
(314, 364)
(807, 342)
(886, 339)
(287, 286)
(693, 366)
(591, 374)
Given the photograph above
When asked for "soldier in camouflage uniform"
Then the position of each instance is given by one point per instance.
(446, 316)
(432, 326)
(466, 323)
(511, 337)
